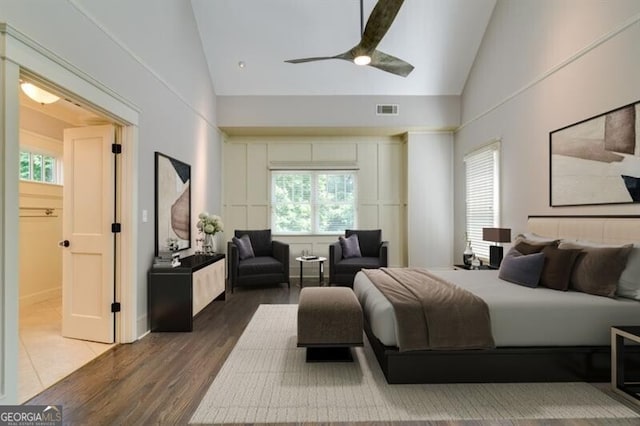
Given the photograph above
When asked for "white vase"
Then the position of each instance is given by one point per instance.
(468, 254)
(209, 244)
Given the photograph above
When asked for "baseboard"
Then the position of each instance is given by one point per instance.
(142, 326)
(144, 334)
(41, 296)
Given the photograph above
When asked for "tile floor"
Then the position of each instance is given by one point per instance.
(45, 356)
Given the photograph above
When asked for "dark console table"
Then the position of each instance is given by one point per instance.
(176, 295)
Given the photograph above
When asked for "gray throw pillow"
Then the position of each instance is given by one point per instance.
(598, 269)
(245, 249)
(522, 269)
(368, 240)
(260, 240)
(350, 246)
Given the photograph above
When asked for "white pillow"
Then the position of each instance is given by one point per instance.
(629, 282)
(535, 238)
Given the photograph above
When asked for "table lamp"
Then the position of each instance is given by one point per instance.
(496, 235)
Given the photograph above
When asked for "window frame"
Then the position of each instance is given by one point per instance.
(314, 203)
(493, 148)
(44, 155)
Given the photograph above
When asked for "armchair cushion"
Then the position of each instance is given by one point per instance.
(355, 264)
(350, 246)
(260, 265)
(245, 249)
(369, 241)
(260, 241)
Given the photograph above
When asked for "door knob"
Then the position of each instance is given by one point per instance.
(64, 243)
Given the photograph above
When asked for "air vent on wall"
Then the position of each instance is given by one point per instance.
(387, 109)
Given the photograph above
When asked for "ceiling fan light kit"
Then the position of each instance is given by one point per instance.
(362, 60)
(365, 53)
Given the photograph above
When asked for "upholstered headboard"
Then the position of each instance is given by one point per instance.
(599, 229)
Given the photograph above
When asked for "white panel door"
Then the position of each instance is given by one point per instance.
(88, 260)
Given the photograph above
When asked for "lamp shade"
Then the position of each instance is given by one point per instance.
(497, 235)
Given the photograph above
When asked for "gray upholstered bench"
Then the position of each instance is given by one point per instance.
(329, 323)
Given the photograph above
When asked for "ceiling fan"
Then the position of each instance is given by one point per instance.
(365, 52)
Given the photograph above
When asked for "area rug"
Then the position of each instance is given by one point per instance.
(266, 380)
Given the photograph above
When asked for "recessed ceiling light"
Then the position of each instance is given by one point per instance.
(241, 64)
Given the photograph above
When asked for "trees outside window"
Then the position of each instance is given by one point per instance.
(38, 167)
(313, 202)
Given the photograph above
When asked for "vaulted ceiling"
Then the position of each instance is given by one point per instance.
(440, 38)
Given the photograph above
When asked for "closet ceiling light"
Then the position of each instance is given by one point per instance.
(37, 94)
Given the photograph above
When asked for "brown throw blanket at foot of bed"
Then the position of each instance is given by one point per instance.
(432, 313)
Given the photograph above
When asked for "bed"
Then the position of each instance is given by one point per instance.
(540, 334)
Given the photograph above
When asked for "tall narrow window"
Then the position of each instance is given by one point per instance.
(291, 205)
(25, 165)
(313, 202)
(482, 195)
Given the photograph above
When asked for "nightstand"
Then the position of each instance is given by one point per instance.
(479, 268)
(630, 390)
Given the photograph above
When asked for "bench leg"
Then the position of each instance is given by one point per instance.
(330, 354)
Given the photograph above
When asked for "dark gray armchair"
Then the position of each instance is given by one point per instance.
(269, 266)
(374, 255)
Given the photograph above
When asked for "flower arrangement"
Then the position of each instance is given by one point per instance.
(209, 224)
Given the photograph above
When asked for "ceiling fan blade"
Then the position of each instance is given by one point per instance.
(378, 24)
(303, 60)
(347, 56)
(389, 63)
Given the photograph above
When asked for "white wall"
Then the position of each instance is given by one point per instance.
(40, 256)
(381, 186)
(544, 64)
(42, 124)
(430, 199)
(420, 112)
(149, 53)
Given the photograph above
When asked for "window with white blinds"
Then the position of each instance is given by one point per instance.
(313, 202)
(482, 168)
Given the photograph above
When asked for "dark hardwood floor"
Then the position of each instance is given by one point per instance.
(162, 378)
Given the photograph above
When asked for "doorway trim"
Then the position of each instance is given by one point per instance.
(20, 54)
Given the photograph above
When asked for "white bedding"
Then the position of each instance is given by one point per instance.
(520, 316)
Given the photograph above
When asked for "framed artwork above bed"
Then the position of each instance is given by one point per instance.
(597, 160)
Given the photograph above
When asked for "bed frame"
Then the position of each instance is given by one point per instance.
(522, 364)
